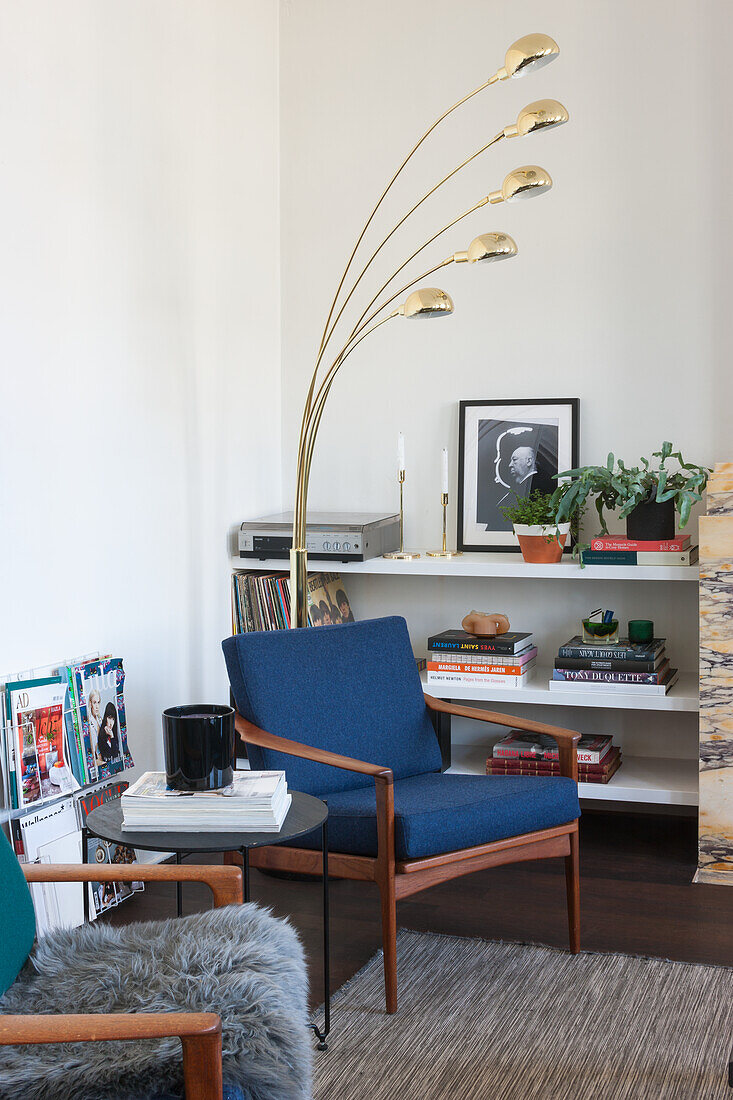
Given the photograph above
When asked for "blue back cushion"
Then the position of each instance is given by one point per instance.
(17, 917)
(353, 689)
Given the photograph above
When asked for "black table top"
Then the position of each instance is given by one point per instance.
(306, 813)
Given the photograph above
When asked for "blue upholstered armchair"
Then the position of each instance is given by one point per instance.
(341, 709)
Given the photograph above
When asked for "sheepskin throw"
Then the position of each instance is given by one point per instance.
(238, 961)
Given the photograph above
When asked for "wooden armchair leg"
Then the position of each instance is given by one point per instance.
(202, 1070)
(572, 882)
(389, 939)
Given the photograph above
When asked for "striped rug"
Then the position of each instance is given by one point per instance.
(479, 1020)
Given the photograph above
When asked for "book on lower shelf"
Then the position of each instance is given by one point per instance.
(520, 753)
(256, 801)
(640, 557)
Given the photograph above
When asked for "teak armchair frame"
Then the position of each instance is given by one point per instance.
(199, 1032)
(399, 878)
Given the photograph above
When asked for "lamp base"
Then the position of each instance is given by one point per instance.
(402, 555)
(444, 553)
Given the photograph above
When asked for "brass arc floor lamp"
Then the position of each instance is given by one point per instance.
(530, 53)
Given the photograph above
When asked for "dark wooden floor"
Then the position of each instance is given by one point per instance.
(636, 896)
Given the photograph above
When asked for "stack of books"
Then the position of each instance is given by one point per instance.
(537, 754)
(506, 660)
(256, 802)
(622, 667)
(615, 550)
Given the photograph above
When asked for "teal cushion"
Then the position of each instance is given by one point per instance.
(17, 917)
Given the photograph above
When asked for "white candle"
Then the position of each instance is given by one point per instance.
(445, 471)
(400, 452)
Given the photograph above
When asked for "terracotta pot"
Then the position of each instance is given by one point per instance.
(542, 545)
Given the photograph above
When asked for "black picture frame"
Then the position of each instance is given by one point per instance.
(487, 431)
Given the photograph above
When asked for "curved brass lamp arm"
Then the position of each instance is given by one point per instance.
(307, 456)
(492, 80)
(299, 503)
(320, 397)
(328, 332)
(391, 233)
(314, 417)
(359, 325)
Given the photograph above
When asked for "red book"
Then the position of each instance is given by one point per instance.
(585, 775)
(548, 767)
(616, 542)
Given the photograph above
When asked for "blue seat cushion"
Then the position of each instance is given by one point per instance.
(353, 689)
(438, 813)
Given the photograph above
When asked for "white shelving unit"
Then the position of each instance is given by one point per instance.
(683, 696)
(643, 778)
(639, 779)
(484, 565)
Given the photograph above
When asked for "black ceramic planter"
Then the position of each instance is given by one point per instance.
(651, 522)
(199, 745)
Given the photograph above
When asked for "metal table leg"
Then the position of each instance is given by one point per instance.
(84, 859)
(245, 871)
(323, 1035)
(179, 889)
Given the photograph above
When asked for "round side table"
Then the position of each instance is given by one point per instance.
(306, 814)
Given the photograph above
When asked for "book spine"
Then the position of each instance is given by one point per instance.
(616, 653)
(593, 676)
(540, 767)
(587, 757)
(485, 659)
(612, 543)
(479, 647)
(570, 663)
(489, 671)
(616, 688)
(480, 680)
(609, 557)
(632, 557)
(583, 776)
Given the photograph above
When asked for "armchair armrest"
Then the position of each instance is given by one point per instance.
(255, 736)
(199, 1032)
(225, 883)
(567, 740)
(383, 778)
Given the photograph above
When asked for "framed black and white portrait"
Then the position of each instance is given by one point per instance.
(509, 449)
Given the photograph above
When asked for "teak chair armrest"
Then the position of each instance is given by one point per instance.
(199, 1032)
(255, 736)
(225, 883)
(567, 740)
(383, 781)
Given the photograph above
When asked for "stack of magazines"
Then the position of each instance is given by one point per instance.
(256, 802)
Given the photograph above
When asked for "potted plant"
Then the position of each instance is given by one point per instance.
(534, 519)
(646, 496)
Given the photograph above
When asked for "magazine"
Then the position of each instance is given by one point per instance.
(105, 895)
(328, 604)
(99, 695)
(39, 743)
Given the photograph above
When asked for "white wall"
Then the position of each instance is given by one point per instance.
(618, 295)
(139, 342)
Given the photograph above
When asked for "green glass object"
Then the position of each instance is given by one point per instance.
(595, 633)
(641, 631)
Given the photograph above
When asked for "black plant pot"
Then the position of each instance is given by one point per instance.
(651, 522)
(199, 745)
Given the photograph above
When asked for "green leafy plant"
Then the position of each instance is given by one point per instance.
(537, 509)
(616, 486)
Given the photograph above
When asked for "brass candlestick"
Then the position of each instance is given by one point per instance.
(402, 554)
(444, 553)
